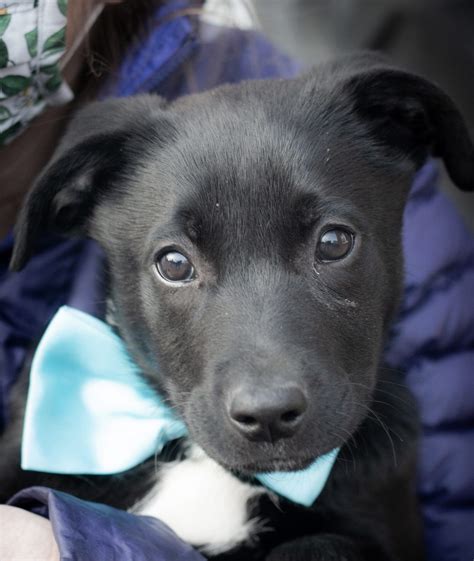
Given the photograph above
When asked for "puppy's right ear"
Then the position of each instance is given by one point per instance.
(100, 145)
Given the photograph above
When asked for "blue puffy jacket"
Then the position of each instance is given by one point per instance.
(433, 340)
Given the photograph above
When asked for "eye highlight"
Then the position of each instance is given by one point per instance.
(334, 244)
(174, 267)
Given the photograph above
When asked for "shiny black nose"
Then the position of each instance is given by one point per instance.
(267, 414)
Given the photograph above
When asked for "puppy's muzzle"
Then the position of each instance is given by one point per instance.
(267, 414)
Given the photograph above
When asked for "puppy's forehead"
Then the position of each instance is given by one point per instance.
(239, 151)
(253, 167)
(240, 178)
(259, 143)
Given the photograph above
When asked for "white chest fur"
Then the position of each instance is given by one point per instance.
(203, 503)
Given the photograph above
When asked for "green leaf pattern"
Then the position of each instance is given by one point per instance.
(3, 54)
(62, 5)
(30, 50)
(14, 84)
(56, 41)
(32, 42)
(53, 83)
(4, 114)
(4, 21)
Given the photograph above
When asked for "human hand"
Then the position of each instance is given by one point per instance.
(25, 536)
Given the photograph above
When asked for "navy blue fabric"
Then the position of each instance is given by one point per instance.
(86, 531)
(29, 299)
(235, 55)
(150, 62)
(432, 341)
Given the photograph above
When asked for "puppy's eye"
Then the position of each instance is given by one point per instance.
(334, 244)
(175, 267)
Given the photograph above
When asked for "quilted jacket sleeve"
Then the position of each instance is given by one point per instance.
(91, 531)
(433, 343)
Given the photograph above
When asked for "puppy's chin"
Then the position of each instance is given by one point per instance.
(271, 458)
(269, 466)
(248, 458)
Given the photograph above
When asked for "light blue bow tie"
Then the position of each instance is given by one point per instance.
(90, 412)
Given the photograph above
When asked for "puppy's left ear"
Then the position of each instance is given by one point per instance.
(102, 143)
(413, 115)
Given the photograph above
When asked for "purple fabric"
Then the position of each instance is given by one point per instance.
(91, 531)
(432, 341)
(229, 58)
(28, 300)
(159, 55)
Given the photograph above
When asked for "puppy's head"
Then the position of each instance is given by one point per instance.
(253, 239)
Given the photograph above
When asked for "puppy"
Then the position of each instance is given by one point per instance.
(253, 252)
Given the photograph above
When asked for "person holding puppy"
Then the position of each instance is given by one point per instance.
(171, 59)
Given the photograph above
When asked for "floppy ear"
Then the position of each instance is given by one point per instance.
(100, 145)
(411, 114)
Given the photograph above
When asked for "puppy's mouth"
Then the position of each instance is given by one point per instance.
(268, 466)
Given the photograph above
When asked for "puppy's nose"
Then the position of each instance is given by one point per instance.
(267, 414)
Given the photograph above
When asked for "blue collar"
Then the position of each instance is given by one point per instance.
(90, 411)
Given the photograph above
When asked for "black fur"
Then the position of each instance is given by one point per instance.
(243, 180)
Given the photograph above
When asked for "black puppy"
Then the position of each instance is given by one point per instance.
(252, 239)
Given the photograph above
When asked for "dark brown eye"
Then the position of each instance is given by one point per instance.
(175, 267)
(334, 244)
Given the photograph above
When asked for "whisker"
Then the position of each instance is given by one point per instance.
(387, 432)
